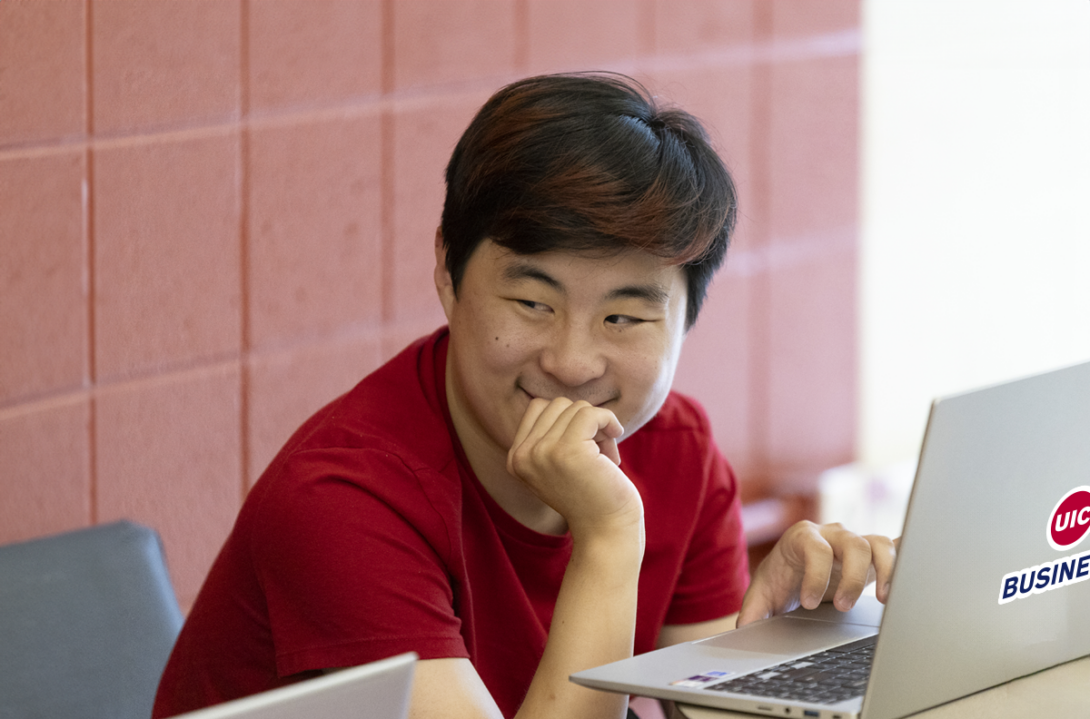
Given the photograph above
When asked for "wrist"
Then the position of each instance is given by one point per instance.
(610, 542)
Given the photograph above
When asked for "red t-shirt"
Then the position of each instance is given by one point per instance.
(369, 535)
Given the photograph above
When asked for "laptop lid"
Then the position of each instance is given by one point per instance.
(982, 592)
(1000, 470)
(379, 690)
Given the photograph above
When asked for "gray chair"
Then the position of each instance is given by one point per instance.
(87, 621)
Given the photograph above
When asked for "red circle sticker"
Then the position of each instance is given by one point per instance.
(1070, 519)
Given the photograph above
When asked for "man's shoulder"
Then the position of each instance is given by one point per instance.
(401, 401)
(383, 444)
(398, 409)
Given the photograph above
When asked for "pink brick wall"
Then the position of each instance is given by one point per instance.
(216, 215)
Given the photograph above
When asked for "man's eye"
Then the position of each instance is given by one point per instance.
(622, 320)
(530, 304)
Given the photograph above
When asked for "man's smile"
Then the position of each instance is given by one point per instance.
(594, 399)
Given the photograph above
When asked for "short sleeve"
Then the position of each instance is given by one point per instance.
(352, 563)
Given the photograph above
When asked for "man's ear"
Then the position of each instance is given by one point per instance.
(444, 285)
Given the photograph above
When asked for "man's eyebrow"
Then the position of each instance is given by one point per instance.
(526, 271)
(651, 293)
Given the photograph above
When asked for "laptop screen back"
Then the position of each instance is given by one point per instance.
(995, 465)
(379, 690)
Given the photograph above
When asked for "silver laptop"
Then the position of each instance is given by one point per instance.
(989, 582)
(379, 690)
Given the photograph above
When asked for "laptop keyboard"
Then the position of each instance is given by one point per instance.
(827, 677)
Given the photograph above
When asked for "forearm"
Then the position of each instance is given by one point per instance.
(593, 623)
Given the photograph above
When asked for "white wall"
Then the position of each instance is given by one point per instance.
(975, 258)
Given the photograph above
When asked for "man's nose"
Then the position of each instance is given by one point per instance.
(573, 356)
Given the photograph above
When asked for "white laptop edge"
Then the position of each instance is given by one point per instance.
(395, 672)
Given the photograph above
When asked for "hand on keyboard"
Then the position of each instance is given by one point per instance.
(813, 563)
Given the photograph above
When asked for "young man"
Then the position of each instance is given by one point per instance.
(519, 495)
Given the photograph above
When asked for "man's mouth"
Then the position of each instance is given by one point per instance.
(597, 401)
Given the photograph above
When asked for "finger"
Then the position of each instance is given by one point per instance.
(533, 419)
(561, 420)
(582, 421)
(854, 554)
(755, 606)
(529, 419)
(604, 425)
(883, 558)
(547, 424)
(609, 430)
(545, 420)
(795, 572)
(817, 562)
(608, 447)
